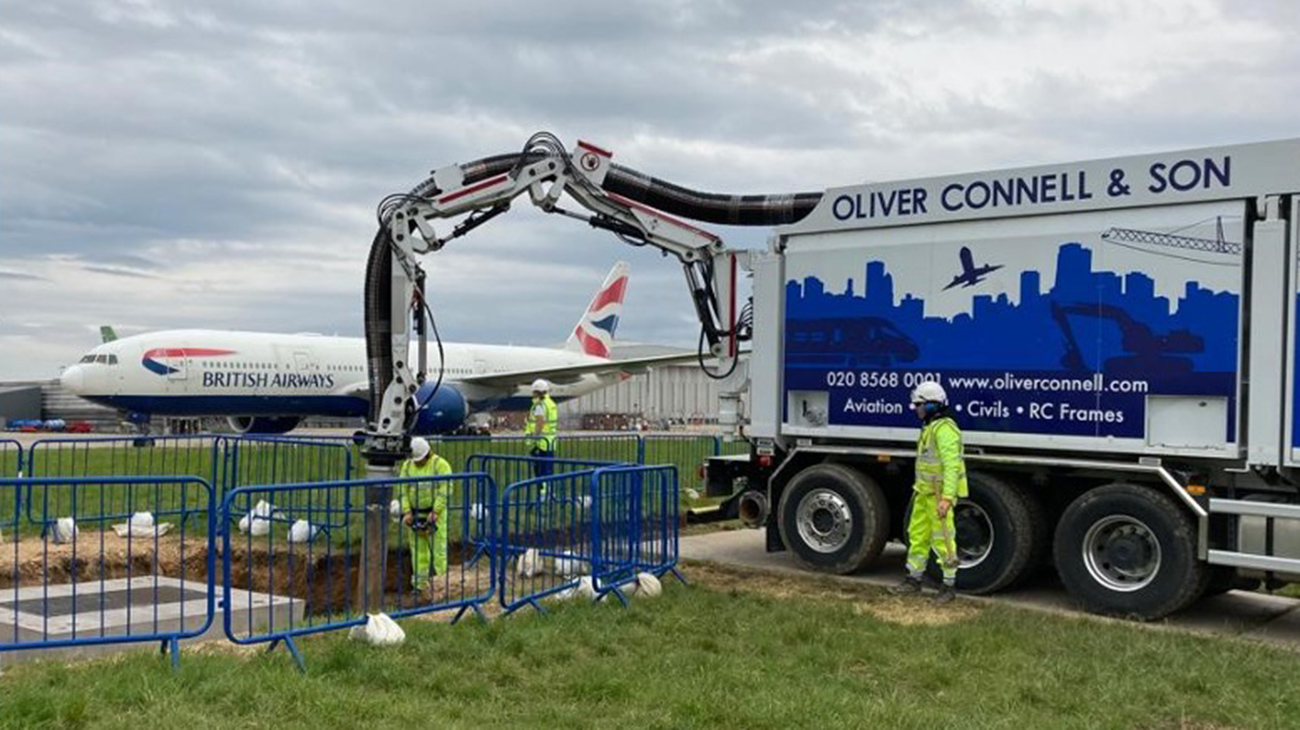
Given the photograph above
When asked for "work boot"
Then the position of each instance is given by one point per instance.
(909, 586)
(946, 594)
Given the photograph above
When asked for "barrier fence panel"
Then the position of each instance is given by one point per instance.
(91, 579)
(139, 456)
(544, 537)
(637, 526)
(686, 452)
(12, 463)
(456, 449)
(266, 460)
(510, 469)
(303, 546)
(625, 449)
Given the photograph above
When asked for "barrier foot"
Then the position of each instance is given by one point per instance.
(293, 651)
(456, 619)
(677, 574)
(530, 602)
(618, 593)
(478, 613)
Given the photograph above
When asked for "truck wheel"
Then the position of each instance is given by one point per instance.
(833, 518)
(1130, 551)
(1001, 531)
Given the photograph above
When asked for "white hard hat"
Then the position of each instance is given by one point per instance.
(419, 448)
(541, 386)
(929, 393)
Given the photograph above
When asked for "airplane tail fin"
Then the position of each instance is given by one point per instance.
(106, 333)
(594, 333)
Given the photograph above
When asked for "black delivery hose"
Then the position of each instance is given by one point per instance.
(721, 209)
(378, 319)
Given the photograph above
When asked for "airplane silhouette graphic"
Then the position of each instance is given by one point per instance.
(970, 273)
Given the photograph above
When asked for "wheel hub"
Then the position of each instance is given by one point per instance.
(1121, 553)
(974, 534)
(824, 520)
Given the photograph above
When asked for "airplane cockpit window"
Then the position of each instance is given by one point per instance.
(112, 359)
(87, 358)
(101, 359)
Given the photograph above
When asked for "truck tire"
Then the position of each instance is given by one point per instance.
(833, 518)
(1001, 535)
(1128, 550)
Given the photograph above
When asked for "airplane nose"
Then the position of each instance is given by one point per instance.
(73, 378)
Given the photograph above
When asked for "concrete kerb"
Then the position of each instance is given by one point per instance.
(1237, 615)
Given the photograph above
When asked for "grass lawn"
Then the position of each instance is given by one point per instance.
(732, 650)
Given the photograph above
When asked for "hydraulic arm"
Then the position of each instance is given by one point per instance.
(637, 208)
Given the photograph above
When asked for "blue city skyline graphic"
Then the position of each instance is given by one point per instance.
(1087, 320)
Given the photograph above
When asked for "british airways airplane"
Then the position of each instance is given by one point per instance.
(266, 383)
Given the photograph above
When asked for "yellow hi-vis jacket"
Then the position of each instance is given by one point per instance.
(940, 467)
(544, 407)
(420, 496)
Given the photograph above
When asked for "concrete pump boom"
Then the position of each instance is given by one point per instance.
(639, 209)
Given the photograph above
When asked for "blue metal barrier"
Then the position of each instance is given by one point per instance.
(265, 460)
(12, 462)
(319, 583)
(544, 538)
(638, 524)
(100, 585)
(139, 456)
(625, 449)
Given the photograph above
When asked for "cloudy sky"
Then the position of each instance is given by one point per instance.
(165, 165)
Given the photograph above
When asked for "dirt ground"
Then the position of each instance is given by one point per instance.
(865, 599)
(325, 580)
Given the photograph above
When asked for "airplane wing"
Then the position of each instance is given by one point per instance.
(561, 375)
(572, 373)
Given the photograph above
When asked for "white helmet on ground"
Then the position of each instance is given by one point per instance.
(541, 386)
(419, 448)
(929, 393)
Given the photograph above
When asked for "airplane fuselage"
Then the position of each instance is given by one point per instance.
(223, 373)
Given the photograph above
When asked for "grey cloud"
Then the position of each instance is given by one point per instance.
(20, 275)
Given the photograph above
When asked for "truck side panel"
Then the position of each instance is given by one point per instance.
(1116, 329)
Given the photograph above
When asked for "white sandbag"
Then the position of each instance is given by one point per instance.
(477, 511)
(379, 630)
(126, 529)
(585, 588)
(647, 585)
(302, 531)
(256, 522)
(567, 565)
(142, 519)
(395, 510)
(65, 530)
(529, 564)
(692, 494)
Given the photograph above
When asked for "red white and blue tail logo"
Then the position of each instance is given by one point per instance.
(158, 359)
(594, 333)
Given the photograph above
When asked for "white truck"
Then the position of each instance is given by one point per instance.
(1117, 338)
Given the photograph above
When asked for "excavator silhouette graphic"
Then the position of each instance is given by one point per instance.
(847, 342)
(970, 273)
(1150, 353)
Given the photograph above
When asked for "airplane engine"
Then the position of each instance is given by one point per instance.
(444, 412)
(263, 424)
